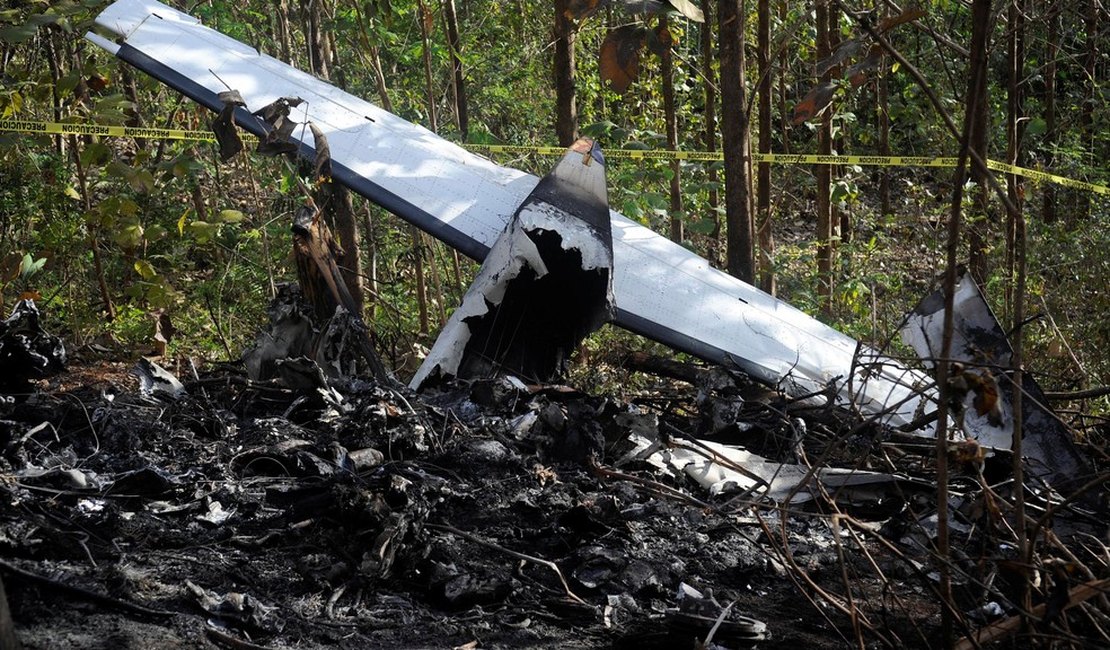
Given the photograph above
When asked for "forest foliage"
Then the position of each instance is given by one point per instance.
(116, 235)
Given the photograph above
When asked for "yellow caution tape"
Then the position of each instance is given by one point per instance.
(74, 128)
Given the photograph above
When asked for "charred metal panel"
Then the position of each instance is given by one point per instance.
(980, 343)
(545, 284)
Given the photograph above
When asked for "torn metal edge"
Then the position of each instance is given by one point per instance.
(548, 277)
(980, 342)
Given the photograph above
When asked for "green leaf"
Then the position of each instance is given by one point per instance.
(231, 216)
(181, 222)
(17, 34)
(1036, 126)
(31, 266)
(95, 154)
(203, 230)
(145, 270)
(704, 226)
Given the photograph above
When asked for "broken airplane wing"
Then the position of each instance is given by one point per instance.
(661, 290)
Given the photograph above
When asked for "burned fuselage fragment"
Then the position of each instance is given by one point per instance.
(985, 356)
(546, 283)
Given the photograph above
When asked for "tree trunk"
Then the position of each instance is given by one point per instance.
(94, 240)
(283, 37)
(824, 175)
(335, 200)
(1048, 205)
(421, 284)
(1087, 116)
(978, 232)
(426, 23)
(763, 181)
(458, 87)
(671, 119)
(736, 142)
(566, 109)
(710, 133)
(371, 309)
(883, 109)
(1015, 47)
(314, 38)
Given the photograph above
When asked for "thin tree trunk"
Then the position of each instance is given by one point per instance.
(336, 201)
(824, 175)
(736, 142)
(763, 181)
(371, 309)
(1087, 116)
(421, 285)
(978, 233)
(94, 240)
(784, 89)
(710, 134)
(437, 281)
(883, 109)
(1015, 46)
(566, 109)
(371, 55)
(426, 24)
(283, 37)
(54, 61)
(1015, 253)
(976, 94)
(671, 119)
(314, 38)
(1048, 205)
(458, 86)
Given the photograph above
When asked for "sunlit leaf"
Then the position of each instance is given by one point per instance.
(620, 57)
(145, 270)
(1036, 126)
(203, 230)
(231, 216)
(181, 222)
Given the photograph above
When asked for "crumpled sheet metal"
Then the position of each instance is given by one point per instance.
(979, 341)
(781, 482)
(545, 284)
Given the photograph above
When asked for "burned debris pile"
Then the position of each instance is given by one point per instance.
(217, 510)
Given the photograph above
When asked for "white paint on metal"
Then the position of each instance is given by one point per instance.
(661, 289)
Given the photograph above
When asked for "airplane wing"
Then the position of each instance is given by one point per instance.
(661, 290)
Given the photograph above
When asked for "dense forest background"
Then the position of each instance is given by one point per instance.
(126, 239)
